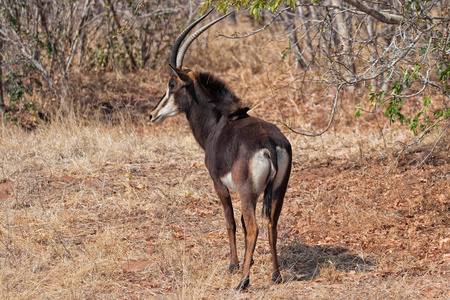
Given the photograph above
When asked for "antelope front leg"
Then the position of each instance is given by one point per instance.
(224, 196)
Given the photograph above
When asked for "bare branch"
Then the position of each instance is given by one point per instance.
(310, 133)
(434, 146)
(124, 38)
(416, 141)
(2, 102)
(256, 31)
(380, 16)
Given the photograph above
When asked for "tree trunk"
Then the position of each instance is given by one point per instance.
(134, 65)
(345, 43)
(2, 102)
(306, 28)
(79, 34)
(289, 28)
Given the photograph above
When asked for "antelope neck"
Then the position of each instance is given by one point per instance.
(202, 115)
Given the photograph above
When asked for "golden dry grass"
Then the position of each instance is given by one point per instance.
(100, 211)
(114, 207)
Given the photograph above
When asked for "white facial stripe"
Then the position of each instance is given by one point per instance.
(166, 108)
(170, 108)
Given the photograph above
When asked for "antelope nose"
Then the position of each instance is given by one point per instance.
(152, 116)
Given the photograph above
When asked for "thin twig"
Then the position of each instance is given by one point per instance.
(310, 133)
(256, 31)
(432, 148)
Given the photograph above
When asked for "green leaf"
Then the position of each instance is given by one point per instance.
(438, 113)
(285, 52)
(417, 69)
(427, 101)
(388, 73)
(397, 88)
(423, 127)
(447, 113)
(401, 118)
(445, 74)
(423, 50)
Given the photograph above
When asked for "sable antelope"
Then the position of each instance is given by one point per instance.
(242, 153)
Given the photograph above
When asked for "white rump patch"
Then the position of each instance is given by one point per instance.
(261, 170)
(228, 181)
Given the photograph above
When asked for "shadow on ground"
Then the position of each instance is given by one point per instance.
(303, 263)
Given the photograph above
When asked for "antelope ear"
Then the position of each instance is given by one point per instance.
(182, 75)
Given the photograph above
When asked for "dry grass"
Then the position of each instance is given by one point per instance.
(125, 209)
(104, 211)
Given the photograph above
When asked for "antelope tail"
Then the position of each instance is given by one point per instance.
(267, 201)
(268, 191)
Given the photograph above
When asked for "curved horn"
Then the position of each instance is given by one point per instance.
(188, 42)
(180, 38)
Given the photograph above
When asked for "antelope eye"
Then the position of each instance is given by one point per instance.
(171, 85)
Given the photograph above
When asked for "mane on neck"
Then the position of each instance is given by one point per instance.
(223, 99)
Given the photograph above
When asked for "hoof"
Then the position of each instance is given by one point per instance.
(233, 268)
(276, 278)
(243, 285)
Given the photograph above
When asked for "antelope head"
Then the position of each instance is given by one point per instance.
(173, 100)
